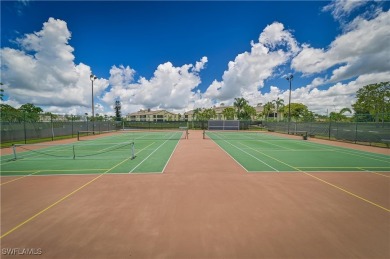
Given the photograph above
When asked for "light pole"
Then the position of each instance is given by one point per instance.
(93, 77)
(289, 78)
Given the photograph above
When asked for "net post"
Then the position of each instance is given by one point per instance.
(74, 153)
(204, 134)
(14, 151)
(132, 151)
(78, 135)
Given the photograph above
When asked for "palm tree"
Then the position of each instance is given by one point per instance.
(1, 93)
(339, 116)
(228, 113)
(196, 114)
(279, 104)
(239, 104)
(268, 107)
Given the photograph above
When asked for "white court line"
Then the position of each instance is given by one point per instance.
(267, 141)
(250, 155)
(358, 153)
(169, 159)
(230, 155)
(132, 170)
(373, 172)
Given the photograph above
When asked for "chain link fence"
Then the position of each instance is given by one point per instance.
(24, 127)
(359, 129)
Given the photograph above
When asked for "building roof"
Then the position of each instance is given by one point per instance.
(148, 112)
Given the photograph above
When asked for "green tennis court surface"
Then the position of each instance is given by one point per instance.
(125, 152)
(264, 152)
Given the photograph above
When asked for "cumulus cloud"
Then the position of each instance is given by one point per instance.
(363, 49)
(246, 74)
(342, 8)
(170, 87)
(43, 71)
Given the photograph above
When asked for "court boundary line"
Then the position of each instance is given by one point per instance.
(21, 177)
(132, 170)
(269, 156)
(247, 154)
(314, 172)
(330, 184)
(60, 200)
(231, 156)
(169, 159)
(350, 151)
(369, 171)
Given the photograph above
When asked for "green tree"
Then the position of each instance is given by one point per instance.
(229, 113)
(1, 93)
(298, 110)
(207, 114)
(239, 104)
(279, 104)
(118, 107)
(268, 108)
(374, 98)
(248, 112)
(30, 112)
(339, 116)
(9, 113)
(196, 113)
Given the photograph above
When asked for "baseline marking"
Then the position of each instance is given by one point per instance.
(19, 178)
(132, 170)
(373, 172)
(335, 186)
(60, 200)
(250, 155)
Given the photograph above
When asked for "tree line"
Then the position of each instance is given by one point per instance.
(372, 103)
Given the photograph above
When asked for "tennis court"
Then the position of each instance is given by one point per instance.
(120, 152)
(267, 152)
(217, 198)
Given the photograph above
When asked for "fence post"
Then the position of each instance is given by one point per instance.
(72, 123)
(24, 127)
(356, 128)
(52, 127)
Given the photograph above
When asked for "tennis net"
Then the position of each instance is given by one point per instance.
(73, 151)
(138, 134)
(242, 135)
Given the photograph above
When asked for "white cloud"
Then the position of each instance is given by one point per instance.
(246, 74)
(342, 8)
(170, 87)
(43, 71)
(362, 50)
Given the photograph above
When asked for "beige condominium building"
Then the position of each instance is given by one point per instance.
(189, 116)
(149, 115)
(163, 115)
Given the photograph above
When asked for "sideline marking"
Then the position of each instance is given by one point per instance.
(169, 159)
(350, 193)
(335, 186)
(231, 156)
(20, 178)
(149, 155)
(373, 172)
(60, 200)
(249, 155)
(350, 151)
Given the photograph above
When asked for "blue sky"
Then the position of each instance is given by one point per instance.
(176, 55)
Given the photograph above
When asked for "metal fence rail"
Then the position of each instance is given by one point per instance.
(370, 133)
(21, 127)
